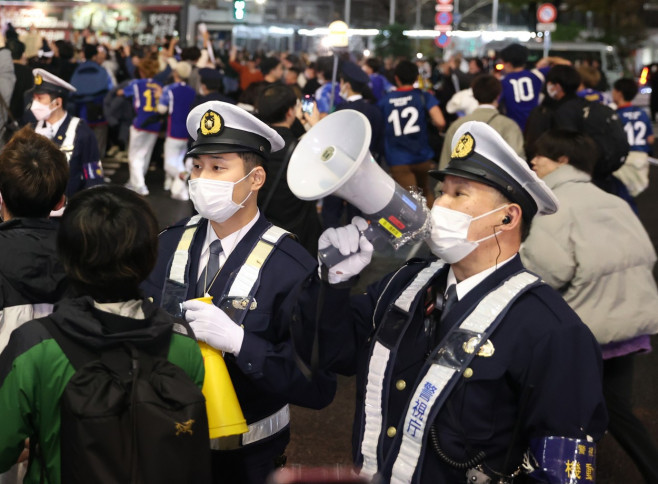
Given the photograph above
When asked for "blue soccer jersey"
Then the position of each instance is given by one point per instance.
(145, 94)
(323, 97)
(637, 126)
(178, 97)
(405, 136)
(520, 93)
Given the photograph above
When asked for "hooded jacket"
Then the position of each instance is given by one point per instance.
(34, 371)
(31, 277)
(596, 253)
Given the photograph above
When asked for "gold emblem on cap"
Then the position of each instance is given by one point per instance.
(464, 146)
(211, 123)
(38, 80)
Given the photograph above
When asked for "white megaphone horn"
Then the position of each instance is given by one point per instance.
(333, 158)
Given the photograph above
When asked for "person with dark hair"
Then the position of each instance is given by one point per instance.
(63, 64)
(468, 367)
(312, 83)
(596, 252)
(634, 173)
(486, 91)
(210, 87)
(70, 133)
(33, 178)
(324, 69)
(248, 71)
(24, 79)
(92, 82)
(254, 272)
(278, 108)
(407, 112)
(522, 87)
(378, 83)
(107, 243)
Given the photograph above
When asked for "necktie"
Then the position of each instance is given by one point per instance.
(211, 270)
(449, 300)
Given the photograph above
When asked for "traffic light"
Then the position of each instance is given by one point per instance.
(239, 9)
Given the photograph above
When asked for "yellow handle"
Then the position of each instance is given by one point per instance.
(224, 413)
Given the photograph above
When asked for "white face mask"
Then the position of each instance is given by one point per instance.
(41, 111)
(551, 90)
(449, 234)
(213, 199)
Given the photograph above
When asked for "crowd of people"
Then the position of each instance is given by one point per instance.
(502, 356)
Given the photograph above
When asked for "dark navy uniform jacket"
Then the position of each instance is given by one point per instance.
(265, 375)
(85, 169)
(544, 356)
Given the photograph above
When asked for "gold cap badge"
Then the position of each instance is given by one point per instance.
(38, 80)
(464, 147)
(211, 123)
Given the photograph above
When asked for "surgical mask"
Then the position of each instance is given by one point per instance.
(551, 90)
(213, 199)
(449, 233)
(41, 111)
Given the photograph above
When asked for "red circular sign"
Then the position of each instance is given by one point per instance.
(442, 40)
(444, 2)
(546, 13)
(443, 18)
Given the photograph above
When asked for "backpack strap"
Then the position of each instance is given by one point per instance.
(77, 355)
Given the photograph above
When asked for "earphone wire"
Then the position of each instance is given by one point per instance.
(500, 250)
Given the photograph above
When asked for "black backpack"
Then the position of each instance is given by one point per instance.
(130, 416)
(603, 125)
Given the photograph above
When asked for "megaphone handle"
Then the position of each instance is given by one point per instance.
(330, 256)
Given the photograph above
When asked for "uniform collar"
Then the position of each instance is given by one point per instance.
(467, 285)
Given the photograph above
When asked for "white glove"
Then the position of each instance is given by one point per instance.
(348, 240)
(213, 326)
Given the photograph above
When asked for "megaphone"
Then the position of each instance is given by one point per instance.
(224, 413)
(333, 158)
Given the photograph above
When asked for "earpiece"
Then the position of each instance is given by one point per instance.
(507, 220)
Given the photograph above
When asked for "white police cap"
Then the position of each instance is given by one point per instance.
(219, 127)
(46, 82)
(481, 154)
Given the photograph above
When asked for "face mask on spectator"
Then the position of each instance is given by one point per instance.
(551, 90)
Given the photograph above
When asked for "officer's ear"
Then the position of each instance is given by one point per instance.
(258, 178)
(511, 219)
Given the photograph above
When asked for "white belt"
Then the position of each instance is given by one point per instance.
(258, 431)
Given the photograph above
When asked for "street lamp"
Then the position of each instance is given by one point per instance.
(337, 39)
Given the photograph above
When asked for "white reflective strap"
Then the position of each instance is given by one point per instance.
(437, 378)
(274, 233)
(182, 253)
(405, 299)
(493, 303)
(267, 427)
(248, 274)
(416, 421)
(68, 145)
(373, 408)
(256, 432)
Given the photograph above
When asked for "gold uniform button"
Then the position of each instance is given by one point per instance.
(391, 432)
(400, 385)
(468, 372)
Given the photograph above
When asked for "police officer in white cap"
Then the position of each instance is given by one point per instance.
(469, 368)
(254, 272)
(75, 139)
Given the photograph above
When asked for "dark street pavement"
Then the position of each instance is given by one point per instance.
(322, 438)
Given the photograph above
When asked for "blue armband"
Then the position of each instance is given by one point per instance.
(560, 460)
